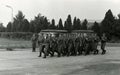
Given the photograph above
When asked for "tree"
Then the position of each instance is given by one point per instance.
(60, 24)
(74, 23)
(46, 23)
(117, 27)
(2, 28)
(68, 24)
(52, 25)
(9, 27)
(65, 25)
(32, 26)
(78, 23)
(96, 28)
(26, 26)
(84, 25)
(38, 23)
(107, 25)
(18, 23)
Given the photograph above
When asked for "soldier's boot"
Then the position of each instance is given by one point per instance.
(40, 54)
(44, 56)
(95, 52)
(104, 51)
(59, 55)
(52, 54)
(80, 52)
(68, 53)
(87, 52)
(33, 50)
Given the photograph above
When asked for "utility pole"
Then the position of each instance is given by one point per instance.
(11, 13)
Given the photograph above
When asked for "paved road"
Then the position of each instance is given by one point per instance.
(27, 63)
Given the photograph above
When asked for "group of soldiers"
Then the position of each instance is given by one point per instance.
(68, 45)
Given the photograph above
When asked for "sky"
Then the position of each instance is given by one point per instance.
(56, 9)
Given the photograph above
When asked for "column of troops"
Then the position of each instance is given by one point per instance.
(70, 45)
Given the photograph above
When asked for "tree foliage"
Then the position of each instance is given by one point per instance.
(107, 25)
(60, 24)
(68, 24)
(84, 25)
(96, 28)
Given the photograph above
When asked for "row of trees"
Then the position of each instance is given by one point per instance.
(109, 25)
(21, 24)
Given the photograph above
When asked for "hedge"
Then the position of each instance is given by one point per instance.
(16, 35)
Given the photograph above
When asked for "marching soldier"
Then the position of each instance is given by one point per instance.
(77, 45)
(44, 45)
(103, 43)
(96, 41)
(87, 45)
(60, 45)
(40, 44)
(34, 42)
(82, 43)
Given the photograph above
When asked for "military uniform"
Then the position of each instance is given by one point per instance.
(87, 45)
(41, 40)
(77, 45)
(103, 43)
(96, 41)
(34, 42)
(43, 46)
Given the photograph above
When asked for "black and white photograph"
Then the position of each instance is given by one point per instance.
(59, 37)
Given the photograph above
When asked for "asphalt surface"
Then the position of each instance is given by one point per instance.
(25, 62)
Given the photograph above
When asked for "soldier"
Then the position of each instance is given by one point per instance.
(69, 45)
(77, 45)
(34, 42)
(44, 45)
(87, 45)
(103, 43)
(82, 43)
(59, 45)
(91, 43)
(41, 39)
(47, 44)
(66, 45)
(96, 41)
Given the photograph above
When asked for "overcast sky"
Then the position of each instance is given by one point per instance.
(89, 9)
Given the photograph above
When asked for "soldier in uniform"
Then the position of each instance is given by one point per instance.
(66, 45)
(69, 46)
(60, 46)
(77, 45)
(44, 46)
(41, 40)
(87, 45)
(96, 41)
(34, 42)
(103, 43)
(91, 43)
(82, 43)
